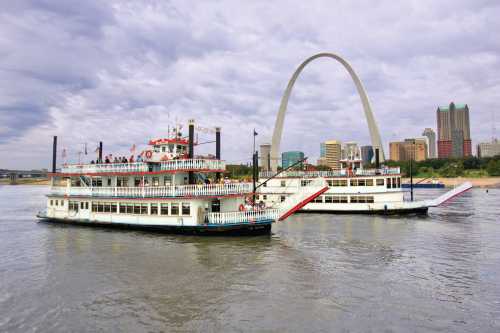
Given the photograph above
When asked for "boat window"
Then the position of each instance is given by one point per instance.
(109, 181)
(264, 197)
(399, 182)
(56, 203)
(123, 208)
(156, 149)
(380, 181)
(114, 207)
(369, 199)
(137, 181)
(167, 180)
(122, 181)
(94, 207)
(318, 199)
(51, 202)
(164, 209)
(154, 209)
(137, 208)
(343, 199)
(354, 199)
(174, 209)
(144, 209)
(73, 205)
(354, 182)
(97, 181)
(107, 207)
(328, 199)
(283, 183)
(388, 182)
(81, 205)
(282, 198)
(361, 182)
(305, 182)
(369, 182)
(130, 208)
(170, 148)
(156, 181)
(163, 149)
(186, 208)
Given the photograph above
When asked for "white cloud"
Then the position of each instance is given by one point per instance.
(120, 71)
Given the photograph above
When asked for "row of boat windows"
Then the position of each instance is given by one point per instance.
(344, 199)
(172, 208)
(126, 181)
(334, 198)
(389, 182)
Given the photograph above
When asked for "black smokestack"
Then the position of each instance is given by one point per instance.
(54, 154)
(191, 148)
(100, 152)
(217, 143)
(377, 159)
(217, 149)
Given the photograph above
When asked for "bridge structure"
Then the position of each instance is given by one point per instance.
(280, 119)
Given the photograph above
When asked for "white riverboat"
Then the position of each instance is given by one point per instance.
(169, 190)
(359, 190)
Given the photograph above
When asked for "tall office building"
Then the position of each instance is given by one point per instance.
(415, 148)
(488, 149)
(453, 131)
(367, 154)
(333, 154)
(431, 135)
(265, 153)
(289, 158)
(322, 149)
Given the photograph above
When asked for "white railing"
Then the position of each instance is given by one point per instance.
(251, 216)
(156, 191)
(172, 165)
(195, 164)
(329, 174)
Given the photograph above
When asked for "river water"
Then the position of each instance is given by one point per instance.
(314, 273)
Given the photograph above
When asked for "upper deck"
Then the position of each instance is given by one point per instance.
(333, 173)
(170, 166)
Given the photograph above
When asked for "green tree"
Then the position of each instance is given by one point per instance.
(454, 169)
(493, 168)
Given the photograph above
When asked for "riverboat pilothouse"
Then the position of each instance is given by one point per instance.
(167, 190)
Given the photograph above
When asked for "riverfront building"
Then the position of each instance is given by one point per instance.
(265, 152)
(367, 154)
(289, 158)
(488, 149)
(453, 131)
(333, 154)
(414, 148)
(431, 136)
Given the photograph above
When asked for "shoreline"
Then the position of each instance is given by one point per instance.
(454, 181)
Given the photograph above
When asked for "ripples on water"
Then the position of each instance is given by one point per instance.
(314, 273)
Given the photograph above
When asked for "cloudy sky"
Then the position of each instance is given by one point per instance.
(122, 71)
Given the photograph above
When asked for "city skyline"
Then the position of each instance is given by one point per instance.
(122, 73)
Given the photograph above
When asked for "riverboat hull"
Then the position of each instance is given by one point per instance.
(234, 229)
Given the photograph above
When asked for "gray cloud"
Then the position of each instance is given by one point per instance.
(121, 71)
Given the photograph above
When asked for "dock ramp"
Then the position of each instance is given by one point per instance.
(450, 194)
(304, 195)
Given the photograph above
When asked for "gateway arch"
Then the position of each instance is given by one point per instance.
(278, 126)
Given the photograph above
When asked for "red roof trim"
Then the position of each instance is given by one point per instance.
(150, 198)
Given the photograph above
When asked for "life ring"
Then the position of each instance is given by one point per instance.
(149, 154)
(241, 208)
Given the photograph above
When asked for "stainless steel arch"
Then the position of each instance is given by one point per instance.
(278, 127)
